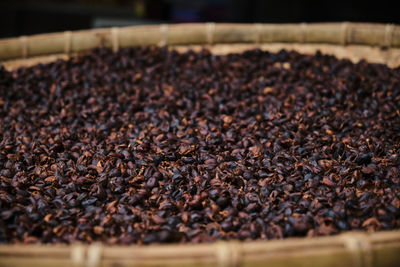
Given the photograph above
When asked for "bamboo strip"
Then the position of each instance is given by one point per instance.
(185, 34)
(367, 35)
(348, 249)
(396, 37)
(10, 48)
(235, 33)
(86, 40)
(143, 35)
(291, 33)
(206, 33)
(52, 44)
(317, 33)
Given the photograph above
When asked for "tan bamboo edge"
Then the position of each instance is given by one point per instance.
(348, 249)
(384, 36)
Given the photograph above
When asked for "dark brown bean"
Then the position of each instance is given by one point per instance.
(150, 145)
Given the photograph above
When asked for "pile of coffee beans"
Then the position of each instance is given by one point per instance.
(150, 145)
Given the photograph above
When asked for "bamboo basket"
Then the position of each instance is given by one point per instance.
(375, 43)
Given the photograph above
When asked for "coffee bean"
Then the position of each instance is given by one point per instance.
(148, 145)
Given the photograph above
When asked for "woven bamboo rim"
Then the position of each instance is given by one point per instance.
(373, 42)
(350, 249)
(377, 43)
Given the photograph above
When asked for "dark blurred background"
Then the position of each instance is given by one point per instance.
(24, 17)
